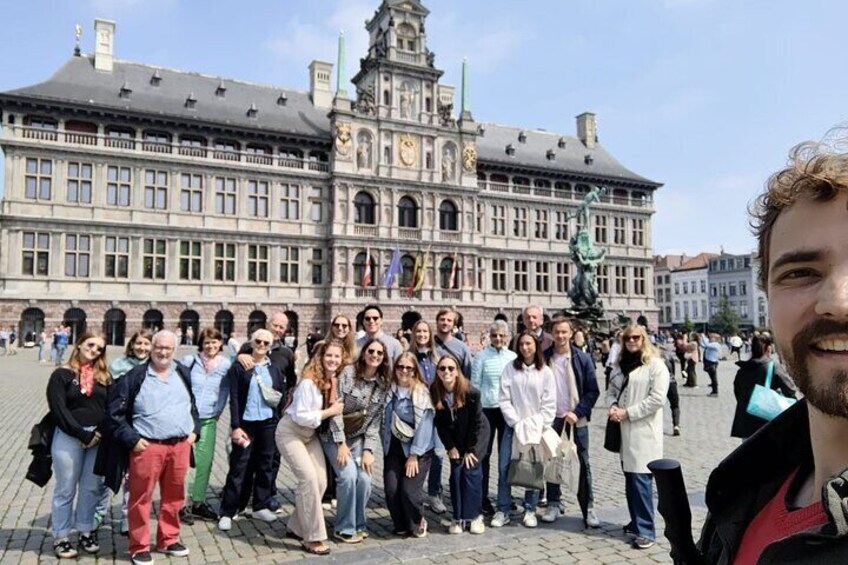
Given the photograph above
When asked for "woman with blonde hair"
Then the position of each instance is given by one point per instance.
(407, 445)
(636, 395)
(76, 395)
(297, 440)
(341, 330)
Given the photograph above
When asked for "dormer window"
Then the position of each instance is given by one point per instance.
(522, 137)
(551, 155)
(221, 91)
(510, 150)
(561, 143)
(588, 159)
(252, 111)
(191, 101)
(156, 78)
(126, 91)
(406, 37)
(282, 99)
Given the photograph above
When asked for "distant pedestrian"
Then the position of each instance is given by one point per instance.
(62, 337)
(233, 345)
(41, 340)
(189, 335)
(736, 346)
(4, 340)
(13, 341)
(712, 353)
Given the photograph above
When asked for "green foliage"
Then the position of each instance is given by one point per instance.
(726, 320)
(688, 326)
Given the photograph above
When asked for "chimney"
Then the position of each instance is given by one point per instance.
(587, 130)
(320, 74)
(104, 41)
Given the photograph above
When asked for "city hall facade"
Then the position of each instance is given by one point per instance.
(140, 195)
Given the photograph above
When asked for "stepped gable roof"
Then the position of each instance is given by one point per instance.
(78, 83)
(533, 153)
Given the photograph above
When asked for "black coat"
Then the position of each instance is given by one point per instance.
(240, 385)
(465, 428)
(119, 436)
(753, 372)
(282, 358)
(585, 378)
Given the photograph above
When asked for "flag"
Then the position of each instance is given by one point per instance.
(394, 269)
(366, 275)
(415, 270)
(452, 279)
(422, 271)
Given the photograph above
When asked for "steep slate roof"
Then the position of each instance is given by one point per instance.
(491, 148)
(77, 82)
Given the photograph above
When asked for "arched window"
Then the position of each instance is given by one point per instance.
(446, 269)
(359, 269)
(290, 339)
(256, 321)
(448, 216)
(407, 213)
(189, 319)
(153, 320)
(75, 318)
(407, 265)
(115, 326)
(406, 37)
(32, 322)
(224, 323)
(363, 206)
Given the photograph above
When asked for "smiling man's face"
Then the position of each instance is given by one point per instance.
(808, 298)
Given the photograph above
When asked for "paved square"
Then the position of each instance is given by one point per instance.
(25, 508)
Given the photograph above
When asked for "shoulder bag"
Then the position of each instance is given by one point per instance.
(765, 402)
(612, 433)
(527, 472)
(355, 421)
(270, 395)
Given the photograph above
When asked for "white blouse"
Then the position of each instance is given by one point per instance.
(305, 409)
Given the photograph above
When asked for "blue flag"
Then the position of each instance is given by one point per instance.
(394, 269)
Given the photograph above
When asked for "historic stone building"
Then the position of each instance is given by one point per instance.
(137, 194)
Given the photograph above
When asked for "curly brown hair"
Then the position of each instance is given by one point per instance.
(817, 171)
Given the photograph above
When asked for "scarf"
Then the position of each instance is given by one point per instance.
(209, 365)
(86, 378)
(628, 362)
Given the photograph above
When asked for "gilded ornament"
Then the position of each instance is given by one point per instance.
(469, 159)
(408, 150)
(344, 143)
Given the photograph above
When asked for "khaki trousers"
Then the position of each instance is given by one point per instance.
(301, 448)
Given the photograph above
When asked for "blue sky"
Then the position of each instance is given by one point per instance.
(706, 96)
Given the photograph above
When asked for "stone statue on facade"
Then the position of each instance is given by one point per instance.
(586, 258)
(365, 101)
(446, 115)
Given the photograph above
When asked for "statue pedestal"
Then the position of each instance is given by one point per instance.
(591, 315)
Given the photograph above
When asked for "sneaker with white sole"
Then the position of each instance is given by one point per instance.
(421, 530)
(225, 524)
(551, 514)
(642, 542)
(499, 520)
(265, 515)
(176, 549)
(592, 519)
(436, 504)
(88, 542)
(64, 550)
(529, 520)
(477, 526)
(455, 527)
(142, 558)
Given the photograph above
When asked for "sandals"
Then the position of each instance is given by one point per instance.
(322, 549)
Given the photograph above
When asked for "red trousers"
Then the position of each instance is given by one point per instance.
(165, 465)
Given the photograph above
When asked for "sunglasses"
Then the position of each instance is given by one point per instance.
(261, 342)
(633, 338)
(371, 318)
(93, 346)
(446, 369)
(341, 326)
(377, 352)
(404, 368)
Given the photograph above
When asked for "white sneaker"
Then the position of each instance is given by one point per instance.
(225, 524)
(455, 527)
(266, 515)
(551, 514)
(529, 520)
(436, 504)
(592, 519)
(477, 526)
(499, 520)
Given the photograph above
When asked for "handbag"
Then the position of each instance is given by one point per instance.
(401, 430)
(271, 396)
(564, 468)
(355, 421)
(765, 402)
(612, 433)
(527, 473)
(40, 441)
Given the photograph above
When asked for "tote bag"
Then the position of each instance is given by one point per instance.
(765, 402)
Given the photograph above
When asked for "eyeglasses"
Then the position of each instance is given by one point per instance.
(493, 336)
(93, 346)
(341, 326)
(377, 352)
(633, 338)
(404, 368)
(371, 318)
(446, 369)
(261, 342)
(163, 348)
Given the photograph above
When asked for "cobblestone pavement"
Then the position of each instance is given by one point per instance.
(25, 508)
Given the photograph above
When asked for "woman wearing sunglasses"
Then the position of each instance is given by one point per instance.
(211, 389)
(354, 435)
(254, 414)
(636, 396)
(407, 446)
(464, 431)
(76, 395)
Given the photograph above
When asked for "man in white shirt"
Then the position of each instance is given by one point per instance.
(372, 322)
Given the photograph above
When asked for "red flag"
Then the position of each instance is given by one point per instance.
(366, 276)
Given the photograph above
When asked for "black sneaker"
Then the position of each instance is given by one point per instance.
(142, 558)
(203, 511)
(64, 550)
(186, 517)
(88, 543)
(176, 549)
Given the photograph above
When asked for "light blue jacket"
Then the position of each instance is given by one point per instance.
(211, 391)
(486, 373)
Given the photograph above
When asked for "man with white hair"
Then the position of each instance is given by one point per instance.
(534, 318)
(154, 423)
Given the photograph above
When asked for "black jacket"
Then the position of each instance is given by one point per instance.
(465, 428)
(750, 477)
(120, 437)
(240, 385)
(587, 382)
(281, 357)
(750, 373)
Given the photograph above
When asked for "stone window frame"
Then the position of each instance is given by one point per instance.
(499, 273)
(35, 254)
(601, 229)
(621, 286)
(78, 182)
(640, 281)
(290, 194)
(191, 193)
(191, 260)
(258, 198)
(638, 233)
(156, 184)
(38, 179)
(521, 275)
(519, 221)
(118, 186)
(619, 230)
(498, 220)
(543, 276)
(258, 263)
(541, 224)
(116, 257)
(561, 226)
(226, 196)
(154, 258)
(563, 277)
(289, 264)
(225, 262)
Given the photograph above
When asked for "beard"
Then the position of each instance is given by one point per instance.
(830, 394)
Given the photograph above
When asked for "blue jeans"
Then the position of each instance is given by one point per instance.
(73, 467)
(638, 488)
(531, 496)
(434, 479)
(466, 490)
(585, 497)
(41, 351)
(353, 489)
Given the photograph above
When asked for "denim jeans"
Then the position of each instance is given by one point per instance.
(585, 496)
(638, 488)
(466, 490)
(73, 467)
(353, 489)
(531, 496)
(434, 478)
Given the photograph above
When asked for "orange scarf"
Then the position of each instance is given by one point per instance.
(87, 379)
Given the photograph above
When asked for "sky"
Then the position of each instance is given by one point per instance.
(704, 96)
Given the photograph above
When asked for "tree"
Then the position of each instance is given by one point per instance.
(726, 320)
(687, 326)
